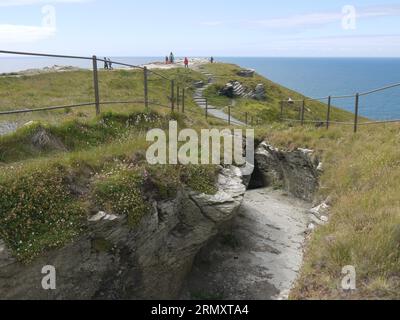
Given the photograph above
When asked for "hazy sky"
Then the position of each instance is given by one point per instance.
(202, 28)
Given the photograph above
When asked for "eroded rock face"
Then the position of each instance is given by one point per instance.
(296, 171)
(114, 261)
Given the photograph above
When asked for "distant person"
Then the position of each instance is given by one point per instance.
(110, 64)
(186, 63)
(212, 60)
(171, 58)
(166, 60)
(105, 63)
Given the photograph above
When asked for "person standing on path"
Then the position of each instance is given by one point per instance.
(186, 63)
(105, 63)
(166, 60)
(212, 60)
(171, 58)
(110, 64)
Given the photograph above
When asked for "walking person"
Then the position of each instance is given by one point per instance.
(110, 64)
(212, 60)
(105, 63)
(166, 60)
(186, 63)
(171, 58)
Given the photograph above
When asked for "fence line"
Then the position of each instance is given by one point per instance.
(177, 97)
(329, 99)
(97, 101)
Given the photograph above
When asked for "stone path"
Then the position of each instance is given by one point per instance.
(7, 127)
(213, 111)
(261, 255)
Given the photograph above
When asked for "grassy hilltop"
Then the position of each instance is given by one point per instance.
(88, 163)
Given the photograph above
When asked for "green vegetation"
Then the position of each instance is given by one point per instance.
(119, 191)
(87, 164)
(361, 176)
(267, 111)
(38, 211)
(55, 174)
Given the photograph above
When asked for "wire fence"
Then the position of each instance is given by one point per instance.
(302, 111)
(175, 93)
(144, 97)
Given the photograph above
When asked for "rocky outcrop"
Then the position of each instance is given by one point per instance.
(43, 140)
(247, 73)
(114, 261)
(235, 89)
(258, 93)
(296, 171)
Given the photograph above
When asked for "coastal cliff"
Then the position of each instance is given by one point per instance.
(114, 261)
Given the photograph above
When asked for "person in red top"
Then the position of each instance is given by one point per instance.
(186, 63)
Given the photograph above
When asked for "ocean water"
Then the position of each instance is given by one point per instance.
(321, 77)
(314, 77)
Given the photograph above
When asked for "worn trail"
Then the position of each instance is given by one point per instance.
(212, 110)
(260, 257)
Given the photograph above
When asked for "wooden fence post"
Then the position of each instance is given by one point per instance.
(177, 97)
(247, 118)
(172, 95)
(146, 88)
(282, 110)
(229, 115)
(183, 100)
(356, 113)
(96, 85)
(206, 109)
(303, 107)
(328, 116)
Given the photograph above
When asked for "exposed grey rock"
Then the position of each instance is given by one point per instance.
(198, 84)
(295, 171)
(258, 93)
(233, 89)
(248, 73)
(114, 261)
(227, 90)
(7, 127)
(42, 139)
(321, 210)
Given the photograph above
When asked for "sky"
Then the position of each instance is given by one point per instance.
(262, 28)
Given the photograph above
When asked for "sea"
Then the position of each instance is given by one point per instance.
(313, 77)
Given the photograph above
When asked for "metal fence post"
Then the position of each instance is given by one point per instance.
(183, 100)
(328, 116)
(146, 89)
(356, 113)
(303, 106)
(229, 115)
(173, 95)
(96, 85)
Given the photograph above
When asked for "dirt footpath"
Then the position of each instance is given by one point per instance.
(259, 259)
